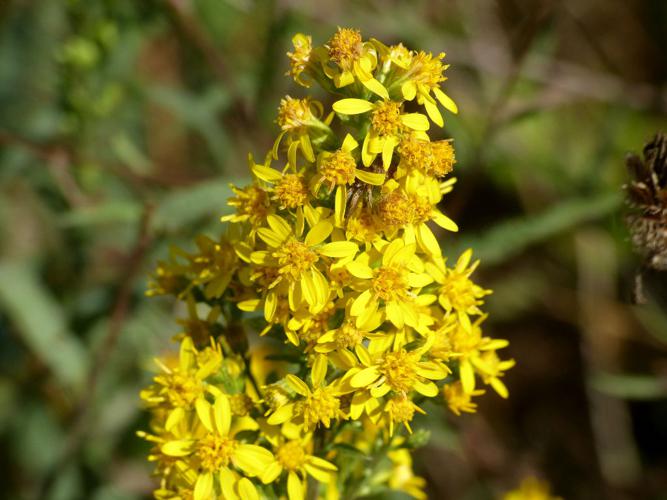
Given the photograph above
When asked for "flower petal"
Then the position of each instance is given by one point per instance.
(359, 270)
(365, 377)
(179, 448)
(366, 156)
(271, 473)
(204, 486)
(467, 375)
(376, 87)
(265, 173)
(339, 249)
(446, 101)
(307, 147)
(428, 389)
(349, 143)
(227, 483)
(352, 106)
(427, 240)
(297, 385)
(222, 413)
(252, 459)
(443, 221)
(281, 415)
(388, 151)
(318, 233)
(321, 475)
(279, 225)
(339, 206)
(434, 113)
(409, 90)
(373, 178)
(415, 121)
(294, 487)
(319, 370)
(360, 303)
(247, 490)
(270, 305)
(204, 413)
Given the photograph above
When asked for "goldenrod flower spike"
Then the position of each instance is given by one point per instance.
(325, 312)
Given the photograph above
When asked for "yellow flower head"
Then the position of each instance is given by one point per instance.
(303, 47)
(345, 47)
(531, 488)
(295, 113)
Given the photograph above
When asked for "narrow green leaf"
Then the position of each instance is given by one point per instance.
(185, 206)
(41, 322)
(626, 386)
(112, 212)
(199, 111)
(509, 238)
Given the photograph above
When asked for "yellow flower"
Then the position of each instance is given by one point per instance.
(299, 59)
(296, 261)
(396, 54)
(308, 327)
(457, 292)
(252, 204)
(347, 336)
(399, 371)
(353, 58)
(477, 354)
(296, 117)
(424, 76)
(290, 190)
(294, 456)
(410, 204)
(390, 283)
(211, 449)
(431, 158)
(387, 126)
(182, 383)
(403, 478)
(169, 277)
(401, 409)
(492, 368)
(364, 227)
(458, 400)
(339, 170)
(319, 405)
(531, 489)
(213, 266)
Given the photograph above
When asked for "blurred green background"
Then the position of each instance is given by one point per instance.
(122, 123)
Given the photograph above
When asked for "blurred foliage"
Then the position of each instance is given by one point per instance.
(123, 123)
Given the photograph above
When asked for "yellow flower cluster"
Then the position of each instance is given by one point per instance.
(326, 314)
(531, 488)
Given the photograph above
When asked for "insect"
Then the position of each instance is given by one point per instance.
(647, 197)
(360, 191)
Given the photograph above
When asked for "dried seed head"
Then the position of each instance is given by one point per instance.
(647, 195)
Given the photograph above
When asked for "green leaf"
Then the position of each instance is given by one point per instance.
(36, 438)
(128, 153)
(199, 111)
(41, 322)
(185, 206)
(626, 386)
(124, 211)
(509, 238)
(68, 484)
